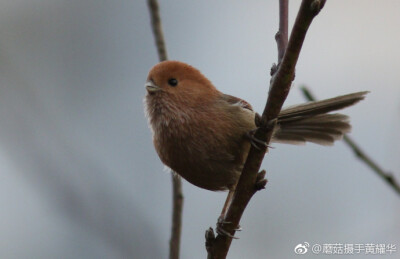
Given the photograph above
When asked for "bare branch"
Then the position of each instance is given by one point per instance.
(388, 177)
(177, 195)
(281, 36)
(210, 238)
(157, 29)
(279, 88)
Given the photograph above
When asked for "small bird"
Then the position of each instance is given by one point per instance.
(202, 133)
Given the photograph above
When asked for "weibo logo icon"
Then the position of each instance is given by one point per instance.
(301, 249)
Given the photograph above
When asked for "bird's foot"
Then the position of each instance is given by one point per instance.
(262, 122)
(265, 125)
(221, 231)
(255, 142)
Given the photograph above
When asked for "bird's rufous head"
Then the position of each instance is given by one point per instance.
(179, 80)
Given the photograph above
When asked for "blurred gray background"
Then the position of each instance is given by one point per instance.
(80, 177)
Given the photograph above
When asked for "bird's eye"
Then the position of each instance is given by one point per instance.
(172, 82)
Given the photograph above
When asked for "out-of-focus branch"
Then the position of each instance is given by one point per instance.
(279, 88)
(388, 177)
(281, 36)
(157, 29)
(177, 195)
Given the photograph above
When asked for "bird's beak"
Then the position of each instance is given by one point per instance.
(151, 87)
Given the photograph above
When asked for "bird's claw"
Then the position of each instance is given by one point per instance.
(260, 123)
(221, 231)
(255, 142)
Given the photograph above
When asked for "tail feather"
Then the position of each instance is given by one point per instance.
(300, 138)
(310, 123)
(321, 107)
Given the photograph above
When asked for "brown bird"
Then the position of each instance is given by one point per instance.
(201, 133)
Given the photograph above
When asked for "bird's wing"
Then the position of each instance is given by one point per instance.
(237, 101)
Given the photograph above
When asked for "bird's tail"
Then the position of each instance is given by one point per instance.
(310, 122)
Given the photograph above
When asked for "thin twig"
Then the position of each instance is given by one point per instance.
(177, 195)
(157, 29)
(281, 36)
(174, 242)
(279, 88)
(388, 177)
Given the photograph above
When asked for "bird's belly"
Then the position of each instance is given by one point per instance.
(202, 163)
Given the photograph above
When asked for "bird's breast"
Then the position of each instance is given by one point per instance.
(202, 144)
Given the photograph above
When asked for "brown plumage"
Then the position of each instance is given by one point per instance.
(200, 132)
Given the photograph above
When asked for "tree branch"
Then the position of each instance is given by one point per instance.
(279, 88)
(177, 206)
(281, 36)
(388, 177)
(157, 29)
(177, 195)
